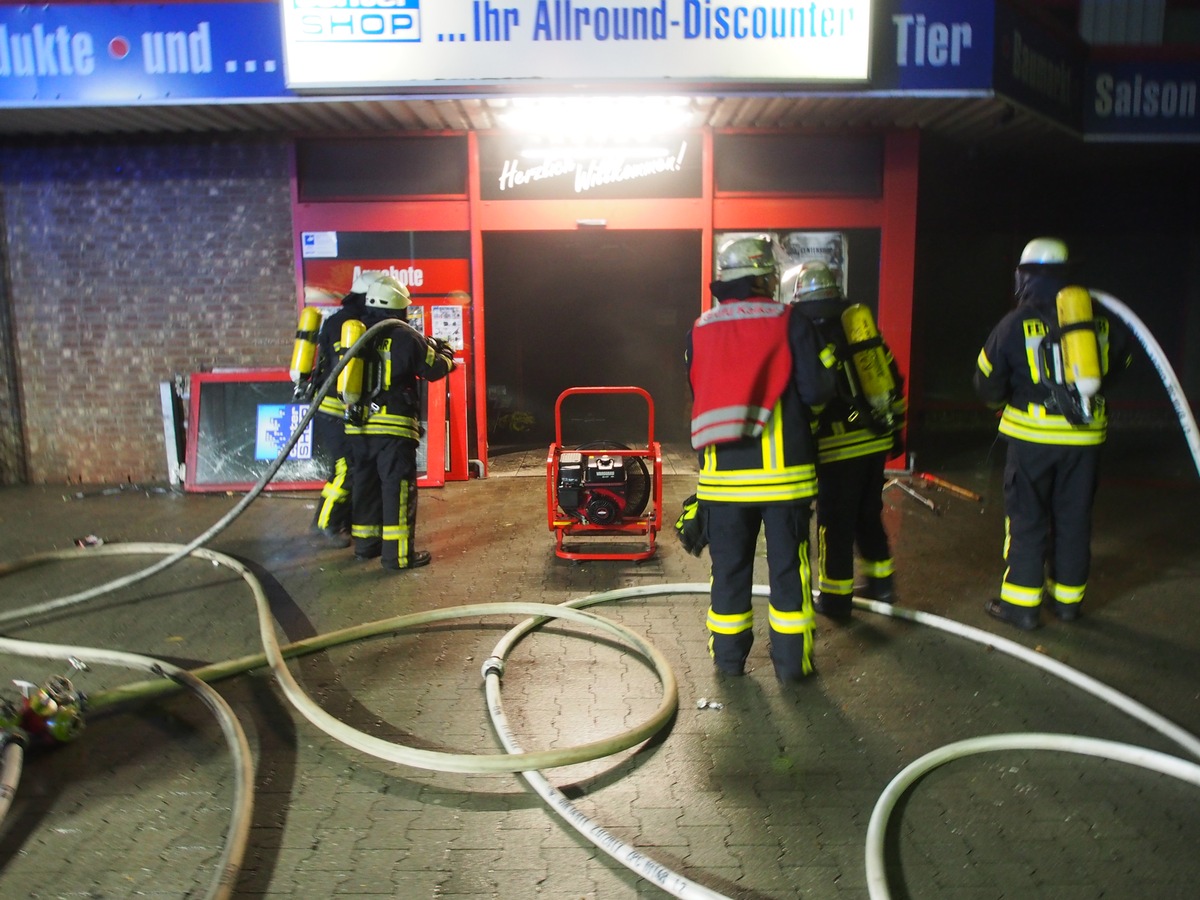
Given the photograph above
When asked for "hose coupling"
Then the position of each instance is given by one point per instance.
(493, 665)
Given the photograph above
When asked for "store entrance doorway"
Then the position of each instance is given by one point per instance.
(587, 308)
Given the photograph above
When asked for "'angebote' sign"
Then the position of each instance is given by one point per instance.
(364, 44)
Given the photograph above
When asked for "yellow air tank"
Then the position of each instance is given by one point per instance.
(304, 350)
(351, 378)
(1080, 350)
(874, 374)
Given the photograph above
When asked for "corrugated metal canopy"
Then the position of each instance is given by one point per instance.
(975, 120)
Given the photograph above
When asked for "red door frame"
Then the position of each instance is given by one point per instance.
(894, 214)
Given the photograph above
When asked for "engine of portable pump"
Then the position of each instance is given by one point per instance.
(592, 487)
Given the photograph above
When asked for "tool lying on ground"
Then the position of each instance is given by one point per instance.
(916, 495)
(948, 486)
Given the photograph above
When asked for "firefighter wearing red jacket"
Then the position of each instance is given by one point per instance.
(1055, 423)
(755, 368)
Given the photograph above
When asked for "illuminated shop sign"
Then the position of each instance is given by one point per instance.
(518, 168)
(116, 55)
(387, 43)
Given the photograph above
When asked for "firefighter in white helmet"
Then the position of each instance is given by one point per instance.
(1054, 432)
(755, 369)
(856, 433)
(383, 427)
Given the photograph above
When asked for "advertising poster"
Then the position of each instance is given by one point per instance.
(793, 249)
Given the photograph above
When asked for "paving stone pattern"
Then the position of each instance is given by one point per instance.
(768, 796)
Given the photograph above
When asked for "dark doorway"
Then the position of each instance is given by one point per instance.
(571, 309)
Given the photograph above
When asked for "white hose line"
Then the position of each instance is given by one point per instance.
(12, 761)
(678, 886)
(626, 854)
(1099, 689)
(1138, 756)
(238, 835)
(1163, 763)
(1165, 372)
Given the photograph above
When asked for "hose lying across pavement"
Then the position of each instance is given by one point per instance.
(515, 759)
(243, 805)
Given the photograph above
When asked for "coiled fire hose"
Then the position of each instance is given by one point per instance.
(516, 760)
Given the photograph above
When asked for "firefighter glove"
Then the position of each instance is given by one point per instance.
(691, 526)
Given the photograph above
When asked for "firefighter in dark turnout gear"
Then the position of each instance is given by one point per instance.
(755, 369)
(383, 429)
(854, 441)
(332, 519)
(1054, 439)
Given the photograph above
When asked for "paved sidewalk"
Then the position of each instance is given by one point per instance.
(767, 796)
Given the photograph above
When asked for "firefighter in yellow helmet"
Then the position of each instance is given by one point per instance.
(857, 431)
(1054, 422)
(755, 369)
(383, 428)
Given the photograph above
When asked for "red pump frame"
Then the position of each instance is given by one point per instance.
(647, 524)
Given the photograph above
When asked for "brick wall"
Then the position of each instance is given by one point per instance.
(130, 260)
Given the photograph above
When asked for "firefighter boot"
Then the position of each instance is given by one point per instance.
(1066, 612)
(416, 559)
(1025, 618)
(835, 606)
(881, 590)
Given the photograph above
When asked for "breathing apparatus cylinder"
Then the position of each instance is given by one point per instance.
(350, 380)
(304, 350)
(870, 361)
(1080, 350)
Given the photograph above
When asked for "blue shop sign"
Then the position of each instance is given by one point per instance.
(936, 46)
(1141, 99)
(113, 55)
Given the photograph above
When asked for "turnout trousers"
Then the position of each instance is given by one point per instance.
(849, 514)
(1049, 490)
(384, 498)
(333, 513)
(733, 530)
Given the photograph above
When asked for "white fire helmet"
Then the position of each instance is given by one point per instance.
(814, 281)
(364, 279)
(387, 293)
(1044, 251)
(745, 256)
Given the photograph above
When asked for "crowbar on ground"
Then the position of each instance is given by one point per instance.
(949, 486)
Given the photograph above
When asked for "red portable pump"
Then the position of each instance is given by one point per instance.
(603, 489)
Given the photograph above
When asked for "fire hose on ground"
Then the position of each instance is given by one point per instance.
(527, 763)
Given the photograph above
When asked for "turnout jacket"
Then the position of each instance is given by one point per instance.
(845, 429)
(1009, 373)
(764, 359)
(398, 359)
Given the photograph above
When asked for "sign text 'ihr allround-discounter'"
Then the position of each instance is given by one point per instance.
(382, 43)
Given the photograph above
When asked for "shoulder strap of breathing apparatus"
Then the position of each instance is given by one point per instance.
(362, 380)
